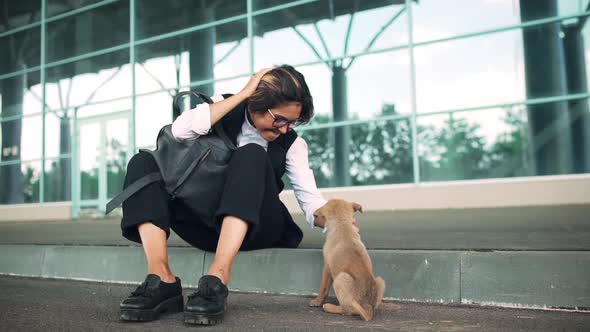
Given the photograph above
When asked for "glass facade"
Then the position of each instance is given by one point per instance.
(405, 91)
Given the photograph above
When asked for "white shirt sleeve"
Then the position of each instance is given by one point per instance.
(301, 177)
(195, 122)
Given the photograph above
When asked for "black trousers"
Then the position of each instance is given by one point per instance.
(250, 193)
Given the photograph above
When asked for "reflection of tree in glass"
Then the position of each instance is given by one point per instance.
(381, 151)
(56, 181)
(459, 148)
(321, 153)
(509, 155)
(30, 185)
(456, 151)
(116, 166)
(116, 154)
(55, 184)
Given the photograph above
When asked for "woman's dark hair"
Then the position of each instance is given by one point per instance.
(279, 86)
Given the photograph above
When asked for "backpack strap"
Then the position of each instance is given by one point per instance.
(132, 189)
(218, 127)
(180, 95)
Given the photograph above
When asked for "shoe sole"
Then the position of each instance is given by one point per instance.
(172, 305)
(194, 318)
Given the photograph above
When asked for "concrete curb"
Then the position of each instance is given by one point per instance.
(499, 278)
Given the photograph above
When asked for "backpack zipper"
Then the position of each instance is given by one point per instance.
(185, 180)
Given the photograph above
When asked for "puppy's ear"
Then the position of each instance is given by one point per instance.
(357, 207)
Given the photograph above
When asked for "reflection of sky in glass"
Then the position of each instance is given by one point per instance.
(465, 73)
(434, 19)
(470, 72)
(89, 146)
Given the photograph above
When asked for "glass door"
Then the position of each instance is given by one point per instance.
(103, 151)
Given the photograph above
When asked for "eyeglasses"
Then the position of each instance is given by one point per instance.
(280, 121)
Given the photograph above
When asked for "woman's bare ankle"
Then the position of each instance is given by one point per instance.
(167, 277)
(223, 274)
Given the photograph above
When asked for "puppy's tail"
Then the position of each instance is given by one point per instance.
(378, 289)
(366, 311)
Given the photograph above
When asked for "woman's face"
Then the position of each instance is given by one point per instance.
(264, 120)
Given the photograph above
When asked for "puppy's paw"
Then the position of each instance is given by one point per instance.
(317, 302)
(333, 309)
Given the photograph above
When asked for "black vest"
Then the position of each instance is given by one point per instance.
(277, 149)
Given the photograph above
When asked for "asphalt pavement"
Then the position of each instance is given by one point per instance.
(31, 304)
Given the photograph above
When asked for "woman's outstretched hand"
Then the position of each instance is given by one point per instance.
(249, 89)
(355, 225)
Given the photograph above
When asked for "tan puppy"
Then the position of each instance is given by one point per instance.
(347, 264)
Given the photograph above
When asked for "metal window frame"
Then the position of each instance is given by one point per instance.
(328, 59)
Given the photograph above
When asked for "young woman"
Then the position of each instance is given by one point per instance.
(260, 120)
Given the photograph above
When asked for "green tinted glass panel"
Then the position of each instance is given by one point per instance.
(155, 17)
(58, 180)
(89, 31)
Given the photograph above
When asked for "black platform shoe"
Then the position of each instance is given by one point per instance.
(206, 306)
(152, 298)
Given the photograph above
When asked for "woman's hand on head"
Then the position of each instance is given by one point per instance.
(249, 89)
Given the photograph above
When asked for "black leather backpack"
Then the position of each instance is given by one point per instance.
(193, 171)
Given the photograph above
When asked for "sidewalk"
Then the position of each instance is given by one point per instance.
(31, 304)
(547, 228)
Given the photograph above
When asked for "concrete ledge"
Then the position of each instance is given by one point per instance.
(522, 279)
(493, 193)
(34, 212)
(93, 263)
(553, 279)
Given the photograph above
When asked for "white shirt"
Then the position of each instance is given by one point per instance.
(197, 121)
